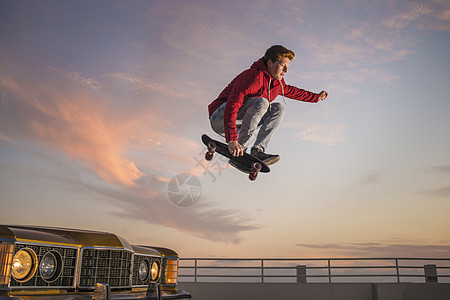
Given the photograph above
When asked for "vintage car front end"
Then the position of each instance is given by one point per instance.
(54, 263)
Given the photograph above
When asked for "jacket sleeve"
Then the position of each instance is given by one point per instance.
(296, 93)
(245, 84)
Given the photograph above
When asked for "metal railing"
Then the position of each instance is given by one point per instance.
(314, 270)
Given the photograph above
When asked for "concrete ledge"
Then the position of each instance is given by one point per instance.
(317, 291)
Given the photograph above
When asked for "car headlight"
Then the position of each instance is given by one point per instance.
(24, 265)
(143, 270)
(50, 266)
(155, 271)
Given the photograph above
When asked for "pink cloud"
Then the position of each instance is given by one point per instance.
(68, 114)
(445, 15)
(70, 122)
(77, 77)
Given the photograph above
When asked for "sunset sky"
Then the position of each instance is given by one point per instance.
(102, 103)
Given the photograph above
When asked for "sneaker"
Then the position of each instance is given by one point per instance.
(268, 159)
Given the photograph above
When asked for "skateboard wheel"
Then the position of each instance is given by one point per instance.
(252, 176)
(257, 166)
(212, 147)
(209, 156)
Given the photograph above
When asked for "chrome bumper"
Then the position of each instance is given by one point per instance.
(103, 292)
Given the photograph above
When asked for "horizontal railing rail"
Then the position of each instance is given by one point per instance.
(302, 270)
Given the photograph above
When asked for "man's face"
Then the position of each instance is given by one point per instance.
(279, 68)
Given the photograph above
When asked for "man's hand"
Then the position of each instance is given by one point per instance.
(235, 148)
(323, 95)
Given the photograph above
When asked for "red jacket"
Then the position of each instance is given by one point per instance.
(253, 82)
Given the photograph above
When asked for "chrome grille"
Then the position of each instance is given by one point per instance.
(66, 278)
(109, 266)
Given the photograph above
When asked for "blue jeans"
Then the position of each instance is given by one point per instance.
(255, 113)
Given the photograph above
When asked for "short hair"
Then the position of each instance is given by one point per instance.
(277, 52)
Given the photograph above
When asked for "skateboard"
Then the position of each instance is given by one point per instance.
(246, 163)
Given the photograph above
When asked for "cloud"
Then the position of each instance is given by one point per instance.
(77, 77)
(434, 15)
(445, 15)
(439, 192)
(402, 20)
(93, 126)
(441, 169)
(443, 192)
(354, 55)
(381, 249)
(318, 124)
(141, 85)
(328, 134)
(364, 46)
(371, 178)
(364, 74)
(359, 49)
(194, 24)
(69, 120)
(148, 201)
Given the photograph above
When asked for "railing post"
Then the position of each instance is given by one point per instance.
(195, 270)
(430, 274)
(262, 270)
(397, 270)
(301, 273)
(329, 270)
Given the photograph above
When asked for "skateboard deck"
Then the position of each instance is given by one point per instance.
(246, 163)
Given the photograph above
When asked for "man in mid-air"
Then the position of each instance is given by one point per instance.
(245, 105)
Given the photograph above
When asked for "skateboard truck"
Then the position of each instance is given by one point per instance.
(256, 167)
(211, 149)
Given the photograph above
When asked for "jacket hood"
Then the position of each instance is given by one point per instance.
(261, 66)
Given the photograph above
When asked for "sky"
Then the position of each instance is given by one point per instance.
(103, 103)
